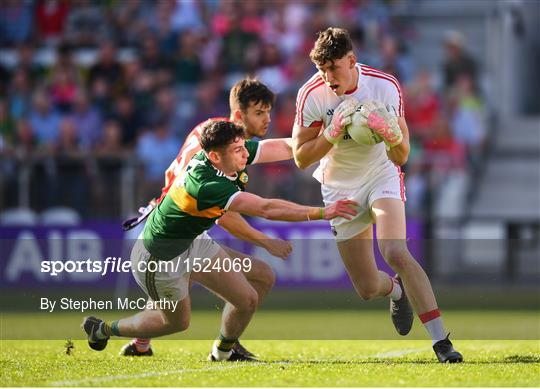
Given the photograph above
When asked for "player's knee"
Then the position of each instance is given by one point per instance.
(249, 302)
(179, 325)
(400, 263)
(268, 278)
(397, 255)
(368, 292)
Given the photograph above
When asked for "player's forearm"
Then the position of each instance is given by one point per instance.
(400, 153)
(274, 150)
(311, 151)
(236, 225)
(276, 209)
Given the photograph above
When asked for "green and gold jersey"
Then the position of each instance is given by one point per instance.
(195, 201)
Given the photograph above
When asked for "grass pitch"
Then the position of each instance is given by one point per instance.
(328, 363)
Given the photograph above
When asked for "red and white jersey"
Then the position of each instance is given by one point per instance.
(190, 147)
(348, 163)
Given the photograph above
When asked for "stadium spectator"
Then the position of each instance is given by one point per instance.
(251, 21)
(188, 70)
(110, 144)
(45, 121)
(155, 163)
(101, 97)
(87, 120)
(443, 154)
(73, 185)
(237, 44)
(423, 105)
(20, 94)
(15, 22)
(128, 119)
(209, 103)
(107, 67)
(165, 110)
(5, 77)
(86, 24)
(51, 18)
(458, 61)
(25, 139)
(68, 140)
(7, 126)
(128, 20)
(468, 119)
(186, 16)
(152, 59)
(271, 70)
(392, 60)
(25, 62)
(65, 63)
(63, 90)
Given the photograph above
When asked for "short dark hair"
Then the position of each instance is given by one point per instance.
(331, 44)
(250, 90)
(217, 134)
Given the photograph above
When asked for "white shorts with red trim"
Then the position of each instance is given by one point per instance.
(387, 184)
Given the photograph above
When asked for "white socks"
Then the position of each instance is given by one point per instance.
(396, 292)
(220, 355)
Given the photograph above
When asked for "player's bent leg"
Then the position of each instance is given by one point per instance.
(260, 276)
(359, 260)
(153, 323)
(146, 324)
(262, 279)
(241, 302)
(389, 215)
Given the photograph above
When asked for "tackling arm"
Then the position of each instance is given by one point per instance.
(273, 150)
(276, 209)
(237, 226)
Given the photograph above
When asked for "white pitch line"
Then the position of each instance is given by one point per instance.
(400, 353)
(141, 375)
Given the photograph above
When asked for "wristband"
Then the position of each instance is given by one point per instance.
(321, 210)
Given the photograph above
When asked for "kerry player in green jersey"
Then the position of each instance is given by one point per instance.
(250, 103)
(175, 233)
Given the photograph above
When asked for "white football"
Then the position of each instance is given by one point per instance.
(361, 133)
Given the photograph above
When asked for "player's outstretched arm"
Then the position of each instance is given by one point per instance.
(273, 150)
(236, 225)
(276, 209)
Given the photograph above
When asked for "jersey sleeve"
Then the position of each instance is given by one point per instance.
(253, 150)
(218, 193)
(394, 97)
(308, 111)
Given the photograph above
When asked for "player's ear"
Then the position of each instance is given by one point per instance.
(352, 60)
(213, 156)
(237, 115)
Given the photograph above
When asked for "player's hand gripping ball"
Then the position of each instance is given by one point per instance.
(371, 123)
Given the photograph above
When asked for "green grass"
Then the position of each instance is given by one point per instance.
(286, 363)
(384, 360)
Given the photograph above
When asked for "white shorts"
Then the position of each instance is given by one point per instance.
(388, 183)
(172, 282)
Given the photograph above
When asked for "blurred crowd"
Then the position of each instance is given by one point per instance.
(91, 86)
